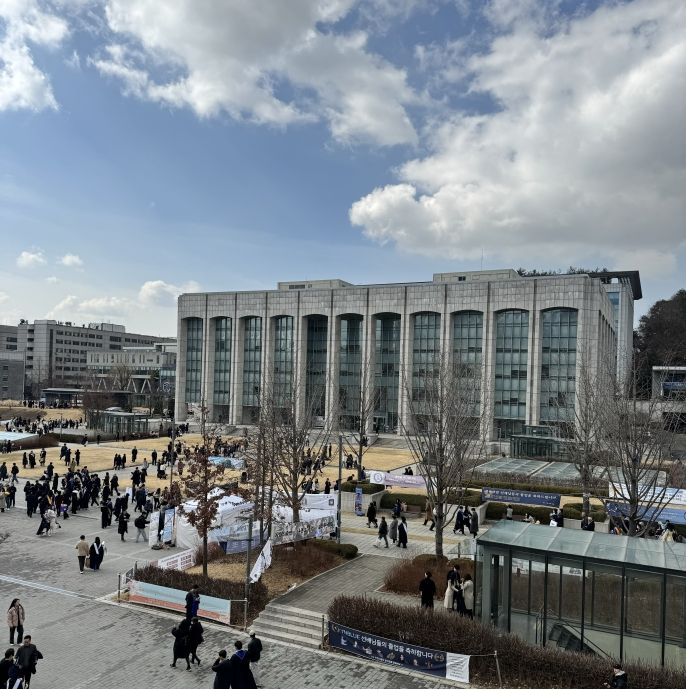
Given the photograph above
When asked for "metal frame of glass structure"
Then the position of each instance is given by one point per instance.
(315, 368)
(558, 366)
(252, 367)
(387, 371)
(614, 596)
(194, 346)
(222, 367)
(350, 371)
(511, 371)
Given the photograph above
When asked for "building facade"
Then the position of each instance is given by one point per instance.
(57, 352)
(140, 370)
(524, 334)
(9, 338)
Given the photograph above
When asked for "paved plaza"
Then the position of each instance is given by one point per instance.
(90, 641)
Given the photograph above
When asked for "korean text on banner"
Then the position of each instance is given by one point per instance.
(457, 668)
(520, 497)
(385, 479)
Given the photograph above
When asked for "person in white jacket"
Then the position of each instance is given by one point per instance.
(468, 593)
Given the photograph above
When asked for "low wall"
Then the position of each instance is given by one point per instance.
(216, 609)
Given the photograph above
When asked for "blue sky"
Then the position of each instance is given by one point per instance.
(229, 144)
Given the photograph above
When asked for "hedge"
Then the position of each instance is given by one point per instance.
(573, 510)
(367, 488)
(346, 550)
(520, 483)
(523, 665)
(404, 577)
(217, 588)
(388, 500)
(496, 510)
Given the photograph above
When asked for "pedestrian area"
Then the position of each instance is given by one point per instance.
(87, 641)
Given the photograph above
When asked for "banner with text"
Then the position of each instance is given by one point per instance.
(657, 494)
(386, 479)
(520, 497)
(653, 514)
(437, 663)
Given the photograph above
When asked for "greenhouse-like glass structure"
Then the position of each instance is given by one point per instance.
(615, 596)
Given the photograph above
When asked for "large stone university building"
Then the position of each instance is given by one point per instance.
(524, 332)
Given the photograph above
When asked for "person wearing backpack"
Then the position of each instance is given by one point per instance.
(140, 523)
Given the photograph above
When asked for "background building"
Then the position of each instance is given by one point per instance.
(524, 333)
(11, 375)
(57, 352)
(9, 338)
(140, 370)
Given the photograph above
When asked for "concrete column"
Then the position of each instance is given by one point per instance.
(180, 409)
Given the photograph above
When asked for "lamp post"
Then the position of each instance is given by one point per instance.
(166, 388)
(340, 485)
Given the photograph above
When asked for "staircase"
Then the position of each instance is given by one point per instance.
(394, 442)
(289, 624)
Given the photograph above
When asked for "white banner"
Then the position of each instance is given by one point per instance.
(386, 479)
(665, 496)
(457, 667)
(262, 562)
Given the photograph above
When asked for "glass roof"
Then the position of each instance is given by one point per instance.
(534, 468)
(574, 543)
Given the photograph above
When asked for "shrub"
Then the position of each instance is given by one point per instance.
(496, 510)
(404, 577)
(367, 488)
(306, 559)
(346, 550)
(522, 665)
(573, 510)
(388, 500)
(217, 588)
(214, 552)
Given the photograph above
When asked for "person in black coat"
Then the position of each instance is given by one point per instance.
(195, 632)
(427, 587)
(123, 524)
(5, 665)
(254, 653)
(620, 679)
(242, 677)
(180, 648)
(222, 666)
(402, 533)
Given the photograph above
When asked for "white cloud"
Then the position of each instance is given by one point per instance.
(52, 279)
(102, 306)
(22, 84)
(584, 155)
(160, 293)
(270, 63)
(71, 261)
(31, 259)
(4, 297)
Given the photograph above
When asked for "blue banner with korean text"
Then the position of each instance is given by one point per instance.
(387, 651)
(520, 497)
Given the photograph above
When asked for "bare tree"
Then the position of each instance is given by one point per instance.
(445, 431)
(636, 443)
(202, 486)
(584, 423)
(286, 432)
(354, 414)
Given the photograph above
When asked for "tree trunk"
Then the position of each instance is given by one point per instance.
(204, 553)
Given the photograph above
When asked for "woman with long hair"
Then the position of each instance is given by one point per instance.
(15, 620)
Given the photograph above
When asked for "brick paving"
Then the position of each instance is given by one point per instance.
(88, 642)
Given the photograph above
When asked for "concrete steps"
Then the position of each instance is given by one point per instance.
(289, 624)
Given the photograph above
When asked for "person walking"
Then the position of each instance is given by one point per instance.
(180, 648)
(222, 666)
(96, 553)
(123, 525)
(459, 521)
(140, 523)
(15, 620)
(427, 588)
(429, 515)
(242, 677)
(192, 602)
(195, 638)
(5, 664)
(371, 515)
(27, 658)
(393, 529)
(82, 551)
(383, 533)
(468, 596)
(620, 680)
(402, 533)
(254, 653)
(474, 523)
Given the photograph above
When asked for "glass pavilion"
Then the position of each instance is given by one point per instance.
(614, 596)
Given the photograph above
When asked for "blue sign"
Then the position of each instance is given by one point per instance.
(652, 514)
(358, 502)
(520, 497)
(387, 651)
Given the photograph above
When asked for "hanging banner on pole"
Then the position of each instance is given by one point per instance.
(358, 502)
(385, 479)
(262, 562)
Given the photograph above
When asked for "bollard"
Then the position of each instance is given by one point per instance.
(119, 588)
